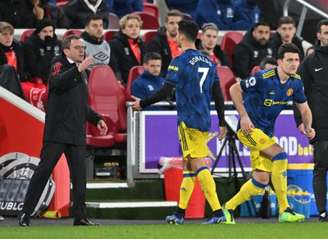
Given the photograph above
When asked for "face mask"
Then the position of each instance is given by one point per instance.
(47, 39)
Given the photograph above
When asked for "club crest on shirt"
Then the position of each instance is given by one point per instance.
(289, 92)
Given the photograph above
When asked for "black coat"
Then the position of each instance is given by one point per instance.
(276, 43)
(67, 109)
(247, 54)
(18, 49)
(77, 13)
(160, 45)
(123, 56)
(39, 54)
(314, 72)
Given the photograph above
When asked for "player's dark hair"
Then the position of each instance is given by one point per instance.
(189, 29)
(267, 60)
(287, 48)
(151, 56)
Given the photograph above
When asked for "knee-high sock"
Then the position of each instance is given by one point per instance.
(279, 180)
(250, 188)
(208, 187)
(186, 188)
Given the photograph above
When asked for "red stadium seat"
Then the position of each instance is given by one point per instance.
(255, 69)
(133, 74)
(71, 32)
(107, 97)
(227, 79)
(113, 20)
(149, 20)
(108, 35)
(148, 36)
(26, 34)
(229, 41)
(61, 3)
(152, 9)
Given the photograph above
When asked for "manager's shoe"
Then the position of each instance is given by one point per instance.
(24, 220)
(84, 222)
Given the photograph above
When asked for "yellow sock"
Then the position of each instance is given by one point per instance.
(208, 187)
(279, 181)
(250, 188)
(186, 188)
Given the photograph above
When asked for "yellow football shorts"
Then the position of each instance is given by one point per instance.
(193, 142)
(257, 141)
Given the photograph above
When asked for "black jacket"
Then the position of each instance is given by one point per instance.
(67, 109)
(160, 45)
(38, 56)
(77, 13)
(18, 49)
(247, 54)
(217, 52)
(122, 56)
(56, 16)
(276, 43)
(314, 72)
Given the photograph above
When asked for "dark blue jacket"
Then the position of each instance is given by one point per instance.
(219, 12)
(146, 85)
(121, 8)
(246, 14)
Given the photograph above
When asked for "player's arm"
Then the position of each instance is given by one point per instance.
(306, 115)
(219, 107)
(236, 92)
(162, 94)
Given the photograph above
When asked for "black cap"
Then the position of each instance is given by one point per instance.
(42, 24)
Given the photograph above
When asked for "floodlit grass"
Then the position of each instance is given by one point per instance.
(189, 231)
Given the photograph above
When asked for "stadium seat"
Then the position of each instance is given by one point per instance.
(108, 35)
(227, 79)
(71, 32)
(148, 36)
(113, 20)
(133, 74)
(61, 3)
(26, 34)
(149, 20)
(152, 9)
(229, 41)
(107, 98)
(255, 69)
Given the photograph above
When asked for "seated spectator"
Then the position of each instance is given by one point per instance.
(93, 38)
(165, 42)
(254, 46)
(77, 12)
(26, 13)
(246, 14)
(220, 12)
(185, 6)
(11, 60)
(121, 8)
(127, 47)
(150, 81)
(286, 33)
(209, 44)
(39, 50)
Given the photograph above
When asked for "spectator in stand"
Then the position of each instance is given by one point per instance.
(219, 12)
(127, 47)
(185, 6)
(26, 13)
(209, 44)
(39, 50)
(94, 42)
(150, 81)
(165, 42)
(77, 12)
(286, 34)
(247, 13)
(254, 46)
(11, 60)
(121, 8)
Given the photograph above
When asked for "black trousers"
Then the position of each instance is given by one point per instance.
(50, 154)
(320, 174)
